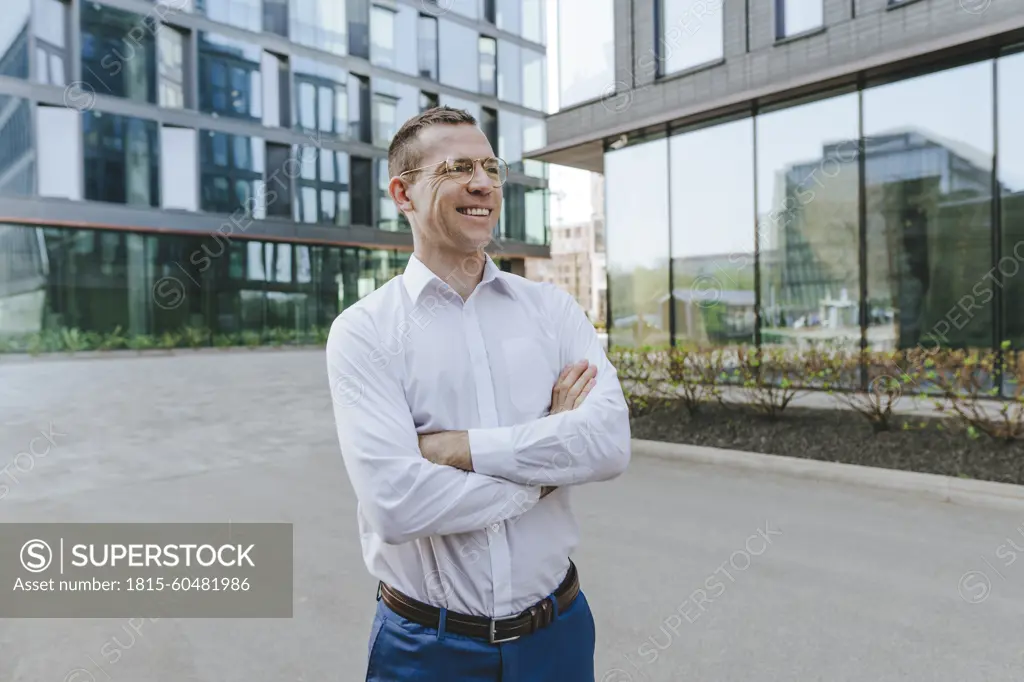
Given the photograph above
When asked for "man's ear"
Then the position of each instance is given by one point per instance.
(399, 192)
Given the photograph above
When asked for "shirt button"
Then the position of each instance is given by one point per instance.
(495, 527)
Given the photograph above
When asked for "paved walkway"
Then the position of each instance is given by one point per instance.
(694, 573)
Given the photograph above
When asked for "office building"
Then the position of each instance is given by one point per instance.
(577, 262)
(222, 164)
(798, 171)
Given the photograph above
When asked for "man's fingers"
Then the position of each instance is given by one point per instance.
(585, 392)
(579, 385)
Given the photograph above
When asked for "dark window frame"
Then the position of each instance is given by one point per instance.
(424, 48)
(212, 55)
(232, 172)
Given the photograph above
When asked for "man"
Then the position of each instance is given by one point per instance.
(468, 402)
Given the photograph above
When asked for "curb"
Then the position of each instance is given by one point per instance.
(963, 491)
(121, 354)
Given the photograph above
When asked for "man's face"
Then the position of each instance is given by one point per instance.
(444, 211)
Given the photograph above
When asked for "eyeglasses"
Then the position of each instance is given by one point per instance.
(463, 170)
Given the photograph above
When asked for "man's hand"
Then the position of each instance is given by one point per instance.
(450, 448)
(573, 385)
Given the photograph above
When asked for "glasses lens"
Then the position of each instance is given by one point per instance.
(461, 170)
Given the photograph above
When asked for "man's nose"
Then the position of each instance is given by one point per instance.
(479, 182)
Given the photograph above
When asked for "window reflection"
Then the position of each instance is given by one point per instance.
(51, 24)
(510, 72)
(247, 14)
(14, 38)
(322, 24)
(17, 158)
(122, 159)
(230, 81)
(171, 50)
(1011, 185)
(382, 36)
(458, 56)
(427, 47)
(112, 65)
(928, 152)
(637, 243)
(488, 66)
(535, 87)
(393, 104)
(232, 173)
(321, 101)
(712, 235)
(808, 202)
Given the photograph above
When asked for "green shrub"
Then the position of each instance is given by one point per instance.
(114, 340)
(195, 337)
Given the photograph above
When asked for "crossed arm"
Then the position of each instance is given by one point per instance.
(584, 438)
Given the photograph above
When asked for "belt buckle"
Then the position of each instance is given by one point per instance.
(491, 638)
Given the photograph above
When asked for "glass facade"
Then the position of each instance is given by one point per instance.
(147, 285)
(242, 106)
(887, 217)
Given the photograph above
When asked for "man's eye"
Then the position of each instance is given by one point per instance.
(460, 167)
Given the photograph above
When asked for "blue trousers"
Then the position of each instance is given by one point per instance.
(403, 651)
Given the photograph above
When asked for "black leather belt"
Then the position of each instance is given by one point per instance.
(495, 631)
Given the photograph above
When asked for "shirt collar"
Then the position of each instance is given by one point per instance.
(417, 276)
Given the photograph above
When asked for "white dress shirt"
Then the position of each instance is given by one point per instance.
(413, 357)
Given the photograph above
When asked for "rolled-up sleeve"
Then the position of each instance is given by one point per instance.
(403, 496)
(588, 444)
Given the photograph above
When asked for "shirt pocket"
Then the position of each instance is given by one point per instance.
(530, 376)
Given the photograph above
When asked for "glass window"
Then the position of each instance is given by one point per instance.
(510, 140)
(637, 243)
(382, 36)
(808, 200)
(14, 38)
(535, 88)
(388, 216)
(1011, 184)
(534, 20)
(713, 234)
(586, 50)
(459, 58)
(510, 72)
(427, 43)
(275, 17)
(535, 216)
(362, 182)
(113, 64)
(17, 158)
(171, 49)
(122, 159)
(247, 14)
(393, 104)
(692, 34)
(534, 137)
(508, 17)
(385, 119)
(793, 17)
(489, 124)
(230, 81)
(232, 171)
(321, 101)
(928, 154)
(488, 66)
(322, 24)
(358, 12)
(360, 118)
(51, 26)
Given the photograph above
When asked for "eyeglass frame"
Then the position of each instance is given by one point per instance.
(476, 162)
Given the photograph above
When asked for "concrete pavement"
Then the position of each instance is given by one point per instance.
(694, 572)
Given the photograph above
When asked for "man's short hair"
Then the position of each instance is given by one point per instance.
(404, 153)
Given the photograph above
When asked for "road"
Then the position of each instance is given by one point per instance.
(801, 581)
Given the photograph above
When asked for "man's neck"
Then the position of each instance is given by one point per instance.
(462, 271)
